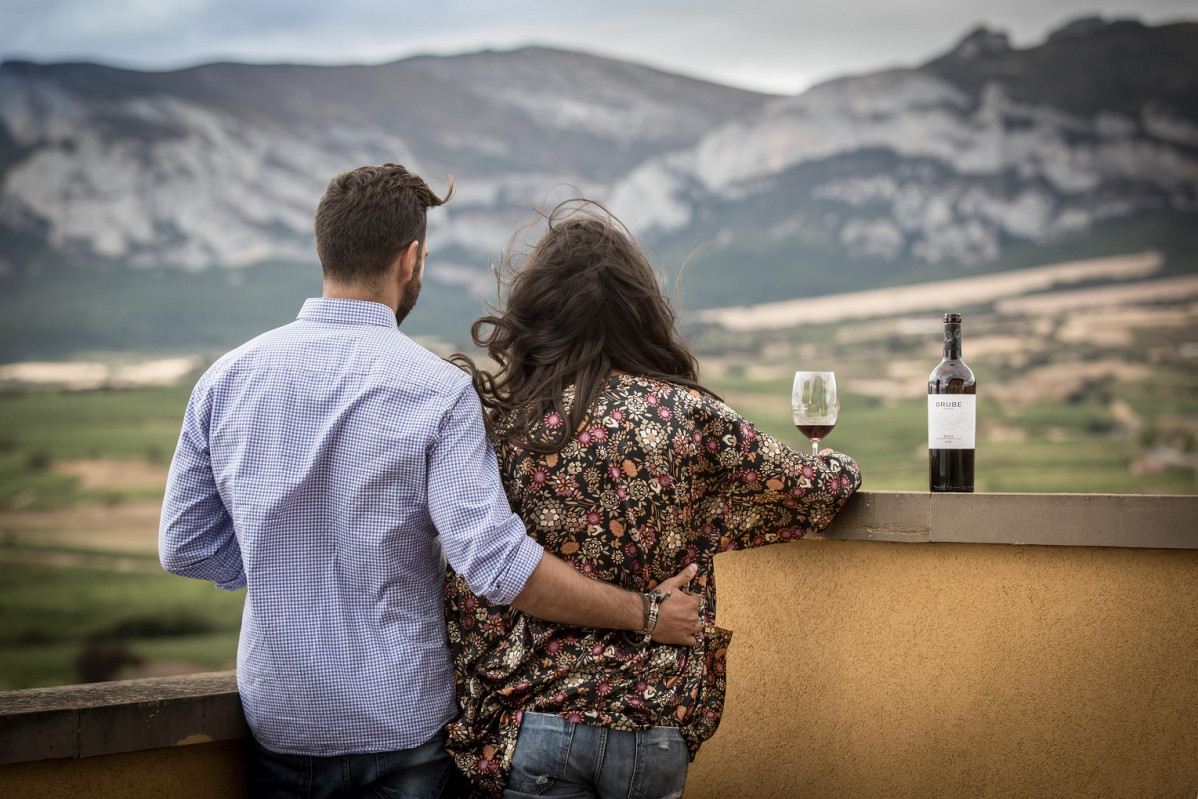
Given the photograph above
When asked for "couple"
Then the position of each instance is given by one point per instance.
(332, 465)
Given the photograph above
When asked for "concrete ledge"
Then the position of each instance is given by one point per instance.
(74, 721)
(1085, 520)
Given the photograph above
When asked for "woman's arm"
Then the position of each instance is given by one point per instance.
(760, 491)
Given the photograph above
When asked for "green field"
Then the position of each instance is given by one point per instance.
(60, 622)
(39, 429)
(92, 607)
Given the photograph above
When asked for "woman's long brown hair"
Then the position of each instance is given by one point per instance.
(586, 303)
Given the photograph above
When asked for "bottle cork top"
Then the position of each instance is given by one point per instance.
(952, 318)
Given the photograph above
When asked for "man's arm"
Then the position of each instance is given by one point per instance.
(486, 543)
(195, 534)
(556, 591)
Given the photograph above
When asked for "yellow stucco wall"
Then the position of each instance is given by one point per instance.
(870, 669)
(875, 669)
(199, 771)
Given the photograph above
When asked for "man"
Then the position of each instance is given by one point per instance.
(325, 466)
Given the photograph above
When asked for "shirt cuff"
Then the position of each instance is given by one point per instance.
(235, 584)
(511, 581)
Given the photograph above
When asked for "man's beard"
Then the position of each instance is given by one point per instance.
(411, 292)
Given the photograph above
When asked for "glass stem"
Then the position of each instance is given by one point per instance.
(815, 447)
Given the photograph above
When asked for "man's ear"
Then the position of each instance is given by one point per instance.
(409, 261)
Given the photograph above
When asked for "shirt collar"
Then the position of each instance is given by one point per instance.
(347, 312)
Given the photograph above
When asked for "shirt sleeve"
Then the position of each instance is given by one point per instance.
(195, 534)
(759, 491)
(484, 541)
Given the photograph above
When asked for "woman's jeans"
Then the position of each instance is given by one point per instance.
(555, 757)
(422, 772)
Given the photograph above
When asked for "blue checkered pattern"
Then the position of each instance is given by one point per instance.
(316, 466)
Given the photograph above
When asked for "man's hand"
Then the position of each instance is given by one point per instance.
(557, 592)
(678, 619)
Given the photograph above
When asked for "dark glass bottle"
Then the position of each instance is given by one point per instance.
(952, 416)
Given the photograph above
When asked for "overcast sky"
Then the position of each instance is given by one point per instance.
(779, 46)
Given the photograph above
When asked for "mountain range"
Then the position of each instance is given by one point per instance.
(174, 209)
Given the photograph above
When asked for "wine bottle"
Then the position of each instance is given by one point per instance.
(952, 416)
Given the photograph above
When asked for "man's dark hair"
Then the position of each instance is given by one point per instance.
(585, 303)
(367, 217)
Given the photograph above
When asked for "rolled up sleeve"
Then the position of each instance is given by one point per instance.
(196, 536)
(484, 541)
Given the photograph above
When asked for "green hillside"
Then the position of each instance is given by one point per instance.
(64, 312)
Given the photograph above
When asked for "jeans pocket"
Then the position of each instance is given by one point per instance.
(661, 764)
(542, 753)
(420, 771)
(275, 774)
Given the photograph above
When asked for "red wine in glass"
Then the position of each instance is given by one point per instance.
(815, 432)
(814, 405)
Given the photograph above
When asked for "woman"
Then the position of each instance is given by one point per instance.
(621, 462)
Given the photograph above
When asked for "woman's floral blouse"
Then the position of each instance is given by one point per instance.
(656, 477)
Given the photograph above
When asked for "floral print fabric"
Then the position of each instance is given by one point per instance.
(657, 476)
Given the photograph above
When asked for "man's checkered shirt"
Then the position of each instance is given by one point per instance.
(324, 465)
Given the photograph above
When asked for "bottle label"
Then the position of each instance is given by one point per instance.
(952, 419)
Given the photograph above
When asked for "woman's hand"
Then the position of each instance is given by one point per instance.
(678, 619)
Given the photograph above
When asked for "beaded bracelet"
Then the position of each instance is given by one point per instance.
(652, 601)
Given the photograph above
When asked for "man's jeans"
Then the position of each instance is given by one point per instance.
(419, 773)
(555, 757)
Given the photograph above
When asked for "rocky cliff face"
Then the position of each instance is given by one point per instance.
(948, 164)
(222, 165)
(981, 148)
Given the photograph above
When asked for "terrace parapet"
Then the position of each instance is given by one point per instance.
(1040, 645)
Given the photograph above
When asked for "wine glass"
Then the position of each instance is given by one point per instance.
(814, 405)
